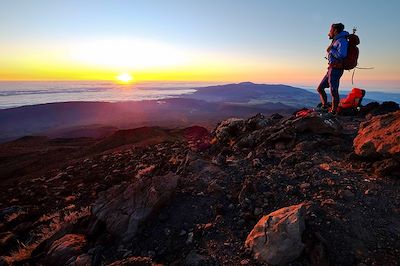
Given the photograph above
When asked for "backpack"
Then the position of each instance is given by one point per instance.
(352, 101)
(350, 61)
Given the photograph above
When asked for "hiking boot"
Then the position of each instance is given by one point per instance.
(322, 109)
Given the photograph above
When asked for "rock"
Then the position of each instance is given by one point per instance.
(195, 259)
(257, 163)
(276, 238)
(244, 262)
(65, 248)
(147, 171)
(379, 136)
(189, 239)
(290, 159)
(5, 261)
(13, 211)
(280, 146)
(199, 136)
(346, 194)
(375, 108)
(58, 176)
(205, 170)
(388, 167)
(328, 202)
(305, 185)
(318, 125)
(218, 160)
(258, 211)
(228, 129)
(258, 121)
(134, 261)
(248, 187)
(214, 188)
(276, 116)
(81, 260)
(248, 141)
(281, 133)
(370, 192)
(123, 209)
(7, 238)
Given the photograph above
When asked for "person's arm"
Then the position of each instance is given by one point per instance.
(340, 51)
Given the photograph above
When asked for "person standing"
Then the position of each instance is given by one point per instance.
(337, 51)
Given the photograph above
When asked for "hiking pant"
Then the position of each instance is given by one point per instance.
(331, 80)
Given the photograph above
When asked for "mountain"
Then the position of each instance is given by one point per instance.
(205, 107)
(256, 94)
(305, 189)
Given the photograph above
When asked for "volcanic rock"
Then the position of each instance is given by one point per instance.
(124, 208)
(276, 238)
(387, 167)
(81, 260)
(379, 136)
(133, 261)
(65, 248)
(317, 124)
(228, 129)
(375, 108)
(195, 259)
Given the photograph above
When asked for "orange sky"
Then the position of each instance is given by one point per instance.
(264, 42)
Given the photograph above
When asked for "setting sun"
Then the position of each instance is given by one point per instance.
(125, 77)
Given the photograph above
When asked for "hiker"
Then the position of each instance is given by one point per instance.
(337, 51)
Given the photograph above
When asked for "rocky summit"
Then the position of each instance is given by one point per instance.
(307, 189)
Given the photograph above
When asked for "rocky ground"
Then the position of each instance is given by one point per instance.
(312, 190)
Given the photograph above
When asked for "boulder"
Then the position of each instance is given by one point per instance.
(227, 129)
(276, 238)
(317, 124)
(65, 249)
(124, 208)
(379, 136)
(257, 122)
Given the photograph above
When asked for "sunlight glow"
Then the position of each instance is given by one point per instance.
(124, 77)
(132, 54)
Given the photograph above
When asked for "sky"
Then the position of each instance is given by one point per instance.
(218, 40)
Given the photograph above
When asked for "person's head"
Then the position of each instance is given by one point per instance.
(336, 28)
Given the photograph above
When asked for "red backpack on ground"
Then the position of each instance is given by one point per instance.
(353, 100)
(350, 61)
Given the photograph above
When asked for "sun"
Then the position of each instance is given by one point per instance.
(124, 77)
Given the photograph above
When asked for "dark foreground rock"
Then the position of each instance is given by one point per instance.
(276, 238)
(65, 250)
(194, 197)
(124, 207)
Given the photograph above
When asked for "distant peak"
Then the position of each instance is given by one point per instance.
(246, 83)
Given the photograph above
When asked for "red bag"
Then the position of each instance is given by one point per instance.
(353, 100)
